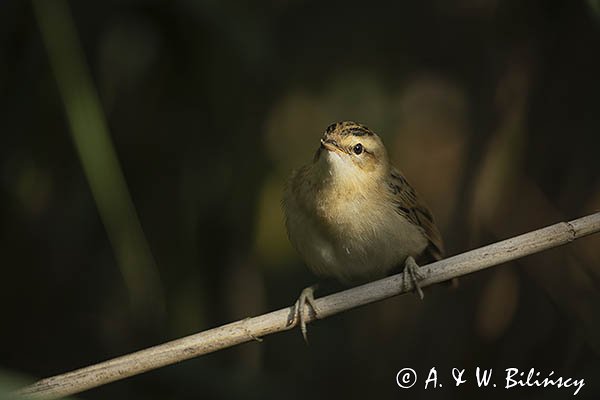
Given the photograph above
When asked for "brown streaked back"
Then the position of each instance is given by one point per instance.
(409, 205)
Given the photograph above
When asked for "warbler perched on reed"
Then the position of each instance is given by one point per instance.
(353, 217)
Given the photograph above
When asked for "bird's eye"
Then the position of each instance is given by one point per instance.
(358, 149)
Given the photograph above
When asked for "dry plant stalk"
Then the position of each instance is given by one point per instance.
(253, 328)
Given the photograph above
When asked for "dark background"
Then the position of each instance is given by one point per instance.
(491, 109)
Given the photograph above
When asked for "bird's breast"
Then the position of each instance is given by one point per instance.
(352, 238)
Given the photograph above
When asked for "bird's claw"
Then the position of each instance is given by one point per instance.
(301, 311)
(412, 274)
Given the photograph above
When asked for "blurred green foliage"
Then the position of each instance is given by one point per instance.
(95, 150)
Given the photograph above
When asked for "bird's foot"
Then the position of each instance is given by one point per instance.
(412, 274)
(300, 312)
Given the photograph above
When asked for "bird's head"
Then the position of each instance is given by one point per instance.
(351, 153)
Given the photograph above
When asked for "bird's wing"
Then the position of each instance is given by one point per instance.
(408, 204)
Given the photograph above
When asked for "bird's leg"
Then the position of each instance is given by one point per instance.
(300, 309)
(412, 274)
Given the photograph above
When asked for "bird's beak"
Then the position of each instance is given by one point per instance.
(330, 145)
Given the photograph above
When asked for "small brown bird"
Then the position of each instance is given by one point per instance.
(353, 217)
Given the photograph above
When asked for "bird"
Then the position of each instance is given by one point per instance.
(353, 217)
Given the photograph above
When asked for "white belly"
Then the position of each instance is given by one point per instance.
(358, 247)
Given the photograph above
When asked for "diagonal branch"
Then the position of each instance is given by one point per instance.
(281, 320)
